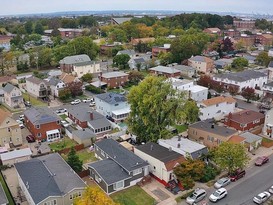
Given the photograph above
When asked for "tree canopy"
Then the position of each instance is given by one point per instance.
(73, 160)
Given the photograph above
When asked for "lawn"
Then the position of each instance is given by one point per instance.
(181, 128)
(133, 196)
(32, 100)
(86, 156)
(6, 190)
(62, 144)
(63, 116)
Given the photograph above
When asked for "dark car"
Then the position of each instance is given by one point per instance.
(237, 175)
(261, 160)
(110, 118)
(30, 138)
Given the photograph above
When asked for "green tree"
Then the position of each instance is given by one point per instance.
(191, 111)
(248, 93)
(87, 77)
(239, 63)
(65, 94)
(154, 106)
(29, 27)
(45, 56)
(135, 77)
(121, 60)
(73, 160)
(263, 59)
(39, 28)
(165, 58)
(230, 156)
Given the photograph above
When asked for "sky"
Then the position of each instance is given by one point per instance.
(47, 6)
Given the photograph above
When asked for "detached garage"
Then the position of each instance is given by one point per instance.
(10, 158)
(85, 137)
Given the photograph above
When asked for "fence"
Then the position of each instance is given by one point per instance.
(76, 147)
(84, 173)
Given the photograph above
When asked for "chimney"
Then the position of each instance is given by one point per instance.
(212, 126)
(178, 145)
(91, 115)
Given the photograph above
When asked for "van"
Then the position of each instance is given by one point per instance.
(197, 196)
(237, 175)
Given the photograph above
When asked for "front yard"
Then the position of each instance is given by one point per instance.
(33, 101)
(133, 196)
(62, 144)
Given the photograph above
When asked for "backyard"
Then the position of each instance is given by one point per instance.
(133, 196)
(32, 100)
(181, 128)
(62, 144)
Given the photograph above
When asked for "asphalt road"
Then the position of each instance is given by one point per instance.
(256, 180)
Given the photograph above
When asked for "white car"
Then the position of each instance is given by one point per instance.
(271, 190)
(21, 117)
(261, 198)
(61, 110)
(88, 100)
(197, 196)
(75, 102)
(92, 104)
(19, 122)
(218, 194)
(222, 182)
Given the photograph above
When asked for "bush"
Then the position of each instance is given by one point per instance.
(184, 196)
(94, 89)
(209, 174)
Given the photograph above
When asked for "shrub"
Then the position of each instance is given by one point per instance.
(94, 89)
(209, 174)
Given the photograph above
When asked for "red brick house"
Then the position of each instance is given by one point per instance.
(114, 79)
(43, 123)
(247, 24)
(106, 49)
(264, 39)
(157, 49)
(214, 31)
(168, 72)
(244, 120)
(70, 33)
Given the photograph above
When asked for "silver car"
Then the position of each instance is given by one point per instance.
(222, 182)
(261, 198)
(196, 196)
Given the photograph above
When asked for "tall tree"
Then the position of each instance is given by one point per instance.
(248, 93)
(191, 111)
(87, 77)
(39, 28)
(239, 63)
(263, 59)
(121, 60)
(75, 88)
(73, 160)
(29, 27)
(227, 45)
(154, 106)
(135, 77)
(230, 156)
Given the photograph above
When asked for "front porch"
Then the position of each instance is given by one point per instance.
(53, 135)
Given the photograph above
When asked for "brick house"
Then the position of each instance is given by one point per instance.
(43, 123)
(264, 39)
(202, 64)
(244, 120)
(244, 24)
(160, 49)
(165, 71)
(114, 79)
(70, 33)
(214, 31)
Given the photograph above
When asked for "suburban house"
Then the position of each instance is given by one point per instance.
(13, 97)
(222, 63)
(137, 63)
(2, 98)
(268, 124)
(68, 78)
(66, 33)
(264, 39)
(192, 91)
(201, 64)
(161, 160)
(237, 139)
(118, 21)
(165, 71)
(130, 53)
(37, 87)
(56, 85)
(156, 50)
(118, 167)
(214, 31)
(247, 78)
(245, 120)
(43, 123)
(89, 119)
(252, 141)
(79, 65)
(5, 42)
(184, 146)
(49, 180)
(208, 133)
(10, 132)
(216, 107)
(112, 104)
(187, 71)
(3, 197)
(268, 88)
(12, 157)
(84, 136)
(114, 79)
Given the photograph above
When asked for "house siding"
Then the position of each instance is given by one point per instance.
(115, 81)
(14, 103)
(248, 126)
(10, 132)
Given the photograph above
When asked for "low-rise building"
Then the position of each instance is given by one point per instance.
(187, 71)
(156, 50)
(222, 63)
(49, 180)
(37, 87)
(13, 97)
(5, 42)
(15, 156)
(161, 160)
(264, 39)
(165, 71)
(216, 107)
(114, 79)
(268, 124)
(214, 31)
(137, 63)
(208, 133)
(84, 136)
(201, 64)
(130, 53)
(68, 78)
(245, 24)
(252, 141)
(56, 85)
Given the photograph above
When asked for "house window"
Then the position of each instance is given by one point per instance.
(256, 121)
(97, 178)
(217, 105)
(118, 185)
(37, 126)
(137, 171)
(8, 129)
(39, 135)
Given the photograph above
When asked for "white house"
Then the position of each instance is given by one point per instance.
(130, 53)
(270, 52)
(80, 69)
(161, 160)
(56, 85)
(196, 92)
(137, 63)
(216, 107)
(247, 78)
(268, 124)
(185, 147)
(13, 96)
(37, 87)
(112, 104)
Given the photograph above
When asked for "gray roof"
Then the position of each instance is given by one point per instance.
(121, 20)
(114, 74)
(41, 115)
(128, 52)
(165, 69)
(54, 81)
(241, 76)
(3, 196)
(48, 175)
(159, 152)
(270, 64)
(111, 98)
(125, 158)
(84, 134)
(36, 80)
(249, 58)
(250, 138)
(184, 68)
(199, 58)
(109, 171)
(206, 125)
(8, 88)
(71, 60)
(269, 84)
(139, 60)
(83, 114)
(222, 62)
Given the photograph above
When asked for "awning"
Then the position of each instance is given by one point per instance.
(121, 111)
(50, 132)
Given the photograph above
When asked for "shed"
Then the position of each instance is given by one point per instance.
(252, 141)
(9, 158)
(85, 136)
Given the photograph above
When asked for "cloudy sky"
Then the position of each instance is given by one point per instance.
(45, 6)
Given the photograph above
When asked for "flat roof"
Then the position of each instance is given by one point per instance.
(196, 88)
(16, 154)
(122, 111)
(114, 74)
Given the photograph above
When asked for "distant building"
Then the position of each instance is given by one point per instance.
(202, 64)
(118, 21)
(156, 50)
(5, 42)
(114, 79)
(246, 24)
(264, 39)
(136, 41)
(66, 33)
(214, 31)
(165, 71)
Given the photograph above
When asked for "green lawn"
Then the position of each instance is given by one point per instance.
(133, 196)
(267, 140)
(181, 128)
(63, 116)
(6, 190)
(86, 156)
(32, 100)
(64, 143)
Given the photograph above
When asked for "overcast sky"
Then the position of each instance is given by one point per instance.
(46, 6)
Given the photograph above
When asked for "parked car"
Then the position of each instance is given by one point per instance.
(30, 138)
(22, 117)
(237, 175)
(218, 194)
(27, 103)
(222, 182)
(262, 197)
(64, 123)
(110, 118)
(61, 110)
(270, 190)
(88, 100)
(92, 104)
(75, 102)
(197, 196)
(261, 160)
(19, 122)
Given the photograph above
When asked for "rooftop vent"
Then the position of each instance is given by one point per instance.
(212, 126)
(178, 145)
